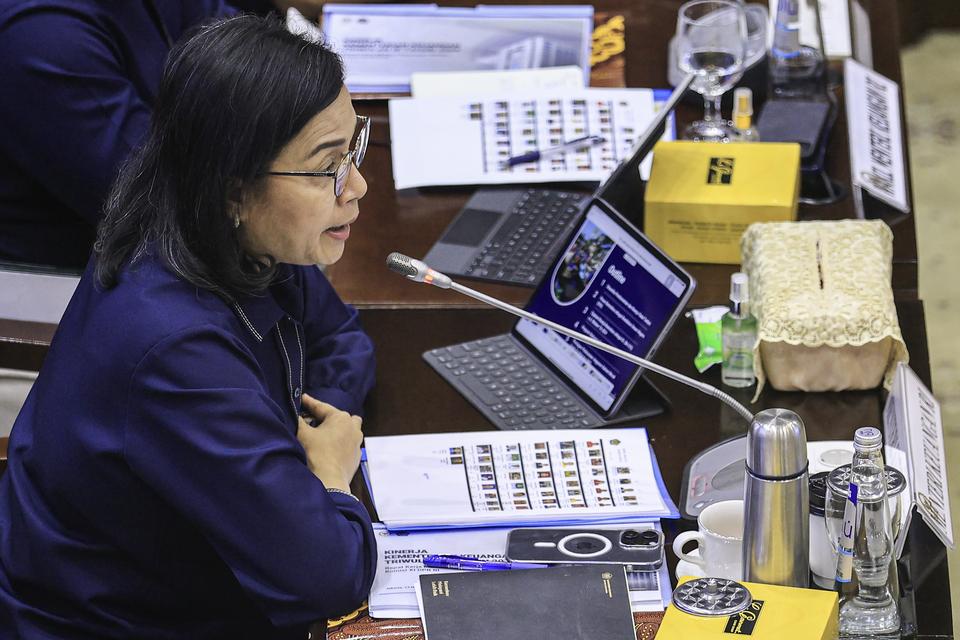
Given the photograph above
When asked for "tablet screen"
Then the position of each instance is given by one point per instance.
(611, 283)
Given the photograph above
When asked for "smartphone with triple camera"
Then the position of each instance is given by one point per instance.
(637, 549)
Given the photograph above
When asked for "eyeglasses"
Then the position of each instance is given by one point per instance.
(358, 149)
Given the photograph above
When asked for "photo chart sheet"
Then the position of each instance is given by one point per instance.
(453, 140)
(514, 478)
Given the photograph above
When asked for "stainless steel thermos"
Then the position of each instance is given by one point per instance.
(776, 525)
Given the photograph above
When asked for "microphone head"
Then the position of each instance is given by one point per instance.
(417, 270)
(401, 264)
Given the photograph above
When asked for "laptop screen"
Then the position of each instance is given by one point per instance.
(612, 284)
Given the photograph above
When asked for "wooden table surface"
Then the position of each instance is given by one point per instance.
(410, 397)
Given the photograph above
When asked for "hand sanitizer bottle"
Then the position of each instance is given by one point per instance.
(738, 330)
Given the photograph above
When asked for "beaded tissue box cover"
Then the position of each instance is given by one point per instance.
(822, 296)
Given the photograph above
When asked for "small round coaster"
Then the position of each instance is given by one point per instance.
(711, 597)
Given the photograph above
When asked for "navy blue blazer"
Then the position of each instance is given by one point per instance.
(156, 487)
(79, 81)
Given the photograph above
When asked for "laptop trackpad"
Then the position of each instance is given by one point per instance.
(471, 227)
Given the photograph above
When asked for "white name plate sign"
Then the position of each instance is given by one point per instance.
(876, 140)
(911, 421)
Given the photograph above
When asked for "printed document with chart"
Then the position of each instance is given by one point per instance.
(451, 140)
(515, 478)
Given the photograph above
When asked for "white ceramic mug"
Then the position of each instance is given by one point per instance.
(719, 539)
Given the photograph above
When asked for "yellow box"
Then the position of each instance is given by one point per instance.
(702, 195)
(783, 613)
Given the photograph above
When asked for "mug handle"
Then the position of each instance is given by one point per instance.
(683, 539)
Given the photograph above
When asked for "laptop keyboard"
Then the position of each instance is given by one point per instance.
(520, 252)
(515, 392)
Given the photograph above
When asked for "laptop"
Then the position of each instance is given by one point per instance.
(511, 234)
(608, 281)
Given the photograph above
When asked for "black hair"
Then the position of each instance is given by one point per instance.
(231, 97)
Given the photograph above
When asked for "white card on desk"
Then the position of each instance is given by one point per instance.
(912, 424)
(876, 141)
(456, 140)
(430, 84)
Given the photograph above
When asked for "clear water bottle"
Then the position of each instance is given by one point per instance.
(867, 566)
(796, 71)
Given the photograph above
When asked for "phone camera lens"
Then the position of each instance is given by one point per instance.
(634, 538)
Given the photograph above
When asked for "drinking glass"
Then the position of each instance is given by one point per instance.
(711, 41)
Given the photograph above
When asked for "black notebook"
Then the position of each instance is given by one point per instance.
(559, 603)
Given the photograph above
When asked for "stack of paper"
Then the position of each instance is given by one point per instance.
(400, 563)
(515, 478)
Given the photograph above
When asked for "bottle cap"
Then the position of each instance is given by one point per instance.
(867, 438)
(776, 445)
(739, 288)
(742, 102)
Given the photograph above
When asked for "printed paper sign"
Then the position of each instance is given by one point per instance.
(876, 141)
(912, 423)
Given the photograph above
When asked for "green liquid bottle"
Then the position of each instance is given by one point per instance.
(738, 330)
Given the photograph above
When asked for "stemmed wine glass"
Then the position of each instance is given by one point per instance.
(711, 40)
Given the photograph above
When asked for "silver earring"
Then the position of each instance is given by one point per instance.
(236, 222)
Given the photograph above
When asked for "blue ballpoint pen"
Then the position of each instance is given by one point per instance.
(533, 156)
(472, 564)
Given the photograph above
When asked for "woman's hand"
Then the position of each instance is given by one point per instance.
(333, 446)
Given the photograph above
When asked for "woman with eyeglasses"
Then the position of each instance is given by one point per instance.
(182, 466)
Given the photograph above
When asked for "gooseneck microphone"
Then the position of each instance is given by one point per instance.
(419, 271)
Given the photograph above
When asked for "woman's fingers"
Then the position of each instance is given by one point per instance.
(316, 408)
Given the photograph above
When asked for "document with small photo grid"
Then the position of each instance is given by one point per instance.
(515, 478)
(467, 140)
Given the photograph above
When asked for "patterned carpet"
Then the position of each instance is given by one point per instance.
(932, 95)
